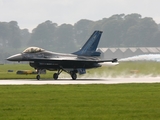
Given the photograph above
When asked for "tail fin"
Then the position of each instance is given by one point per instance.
(89, 48)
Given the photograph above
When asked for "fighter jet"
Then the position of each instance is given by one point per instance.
(85, 58)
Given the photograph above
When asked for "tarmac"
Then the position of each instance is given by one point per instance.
(81, 81)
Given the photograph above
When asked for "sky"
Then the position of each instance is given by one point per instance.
(30, 13)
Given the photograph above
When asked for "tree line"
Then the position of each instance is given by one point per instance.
(119, 30)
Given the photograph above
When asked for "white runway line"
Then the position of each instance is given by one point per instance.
(81, 81)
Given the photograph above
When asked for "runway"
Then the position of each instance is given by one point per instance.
(81, 81)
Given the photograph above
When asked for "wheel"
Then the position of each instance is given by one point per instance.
(74, 76)
(38, 77)
(55, 76)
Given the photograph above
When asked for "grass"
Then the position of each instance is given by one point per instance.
(125, 69)
(80, 102)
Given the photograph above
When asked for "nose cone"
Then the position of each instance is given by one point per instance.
(17, 57)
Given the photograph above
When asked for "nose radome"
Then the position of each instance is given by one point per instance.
(17, 57)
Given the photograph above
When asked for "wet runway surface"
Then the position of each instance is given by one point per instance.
(81, 81)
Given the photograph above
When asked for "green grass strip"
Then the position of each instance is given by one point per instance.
(80, 102)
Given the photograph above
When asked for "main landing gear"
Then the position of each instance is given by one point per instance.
(55, 75)
(72, 73)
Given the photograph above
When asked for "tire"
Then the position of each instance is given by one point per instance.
(74, 76)
(38, 77)
(55, 76)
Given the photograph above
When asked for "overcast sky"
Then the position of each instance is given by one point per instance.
(30, 13)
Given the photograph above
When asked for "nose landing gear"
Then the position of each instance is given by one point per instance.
(38, 77)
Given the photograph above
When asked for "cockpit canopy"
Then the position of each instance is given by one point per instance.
(33, 50)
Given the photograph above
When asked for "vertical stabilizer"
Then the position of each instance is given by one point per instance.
(89, 48)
